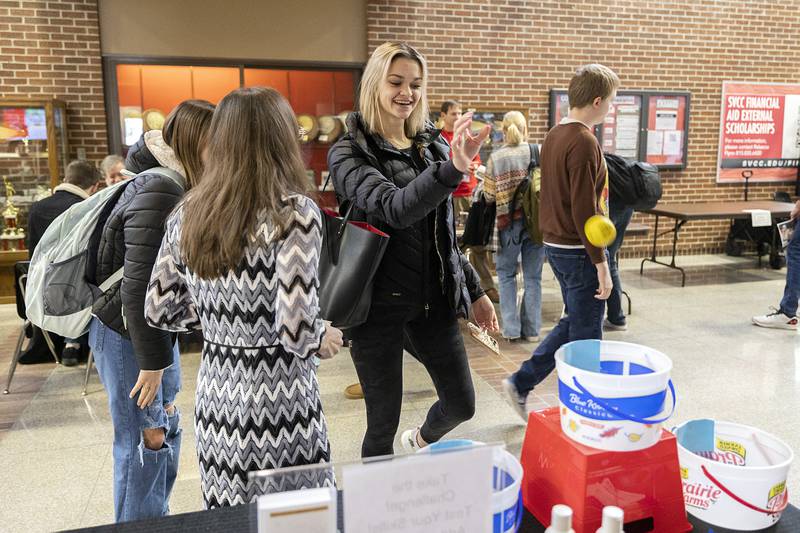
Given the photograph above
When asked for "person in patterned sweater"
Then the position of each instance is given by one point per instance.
(249, 281)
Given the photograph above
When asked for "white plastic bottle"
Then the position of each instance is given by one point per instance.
(560, 520)
(613, 518)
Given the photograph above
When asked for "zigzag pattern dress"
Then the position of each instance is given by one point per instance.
(257, 402)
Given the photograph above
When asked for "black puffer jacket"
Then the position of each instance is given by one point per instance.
(396, 197)
(131, 238)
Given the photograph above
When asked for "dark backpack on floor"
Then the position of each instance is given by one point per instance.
(634, 183)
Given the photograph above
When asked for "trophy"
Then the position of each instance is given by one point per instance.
(13, 236)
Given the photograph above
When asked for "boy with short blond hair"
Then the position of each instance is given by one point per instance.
(574, 188)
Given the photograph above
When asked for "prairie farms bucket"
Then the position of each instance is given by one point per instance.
(507, 508)
(613, 394)
(734, 476)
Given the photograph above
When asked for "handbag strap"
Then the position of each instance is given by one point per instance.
(348, 214)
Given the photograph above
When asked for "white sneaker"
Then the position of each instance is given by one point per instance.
(776, 319)
(610, 326)
(517, 401)
(409, 440)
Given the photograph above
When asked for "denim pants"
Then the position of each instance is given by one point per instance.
(143, 478)
(791, 293)
(525, 320)
(577, 277)
(377, 352)
(621, 217)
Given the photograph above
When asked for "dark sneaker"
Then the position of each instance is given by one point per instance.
(611, 326)
(69, 357)
(517, 400)
(776, 319)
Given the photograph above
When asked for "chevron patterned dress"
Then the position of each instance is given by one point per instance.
(257, 403)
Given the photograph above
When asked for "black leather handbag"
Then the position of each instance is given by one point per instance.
(350, 256)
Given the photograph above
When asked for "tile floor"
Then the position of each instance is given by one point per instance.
(55, 446)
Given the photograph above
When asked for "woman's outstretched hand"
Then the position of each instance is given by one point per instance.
(466, 144)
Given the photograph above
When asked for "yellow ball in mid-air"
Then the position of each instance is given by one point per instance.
(600, 230)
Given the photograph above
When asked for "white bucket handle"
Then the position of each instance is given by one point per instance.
(739, 500)
(627, 416)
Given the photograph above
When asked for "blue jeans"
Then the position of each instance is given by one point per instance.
(791, 293)
(143, 478)
(621, 217)
(577, 277)
(526, 321)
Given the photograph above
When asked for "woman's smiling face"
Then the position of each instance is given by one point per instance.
(402, 88)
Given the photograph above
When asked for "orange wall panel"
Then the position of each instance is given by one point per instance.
(344, 92)
(311, 92)
(213, 83)
(259, 77)
(129, 85)
(164, 87)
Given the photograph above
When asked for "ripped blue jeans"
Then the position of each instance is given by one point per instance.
(143, 478)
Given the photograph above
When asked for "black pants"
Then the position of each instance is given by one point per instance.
(377, 351)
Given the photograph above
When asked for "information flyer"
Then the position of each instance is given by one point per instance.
(759, 131)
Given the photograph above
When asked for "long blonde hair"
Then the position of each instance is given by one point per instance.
(515, 128)
(253, 161)
(374, 75)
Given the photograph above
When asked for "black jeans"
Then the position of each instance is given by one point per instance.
(377, 351)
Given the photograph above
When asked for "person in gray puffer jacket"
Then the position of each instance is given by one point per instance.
(395, 168)
(138, 364)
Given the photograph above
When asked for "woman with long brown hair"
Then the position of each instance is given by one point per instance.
(240, 259)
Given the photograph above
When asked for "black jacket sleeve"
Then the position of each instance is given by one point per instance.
(357, 180)
(35, 229)
(144, 222)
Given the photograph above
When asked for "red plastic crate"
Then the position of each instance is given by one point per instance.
(646, 484)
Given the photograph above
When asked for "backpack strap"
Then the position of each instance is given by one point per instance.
(169, 173)
(534, 148)
(534, 162)
(112, 280)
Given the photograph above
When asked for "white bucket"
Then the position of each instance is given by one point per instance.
(507, 508)
(739, 481)
(612, 394)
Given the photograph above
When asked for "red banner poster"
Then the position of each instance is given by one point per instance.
(759, 132)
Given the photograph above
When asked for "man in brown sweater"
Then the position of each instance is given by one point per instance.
(574, 188)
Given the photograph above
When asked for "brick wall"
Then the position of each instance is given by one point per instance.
(511, 53)
(52, 49)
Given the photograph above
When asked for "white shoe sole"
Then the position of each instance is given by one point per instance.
(408, 440)
(774, 326)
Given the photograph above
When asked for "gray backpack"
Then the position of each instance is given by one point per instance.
(61, 288)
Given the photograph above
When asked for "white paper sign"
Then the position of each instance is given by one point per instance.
(655, 142)
(673, 142)
(759, 217)
(666, 120)
(430, 493)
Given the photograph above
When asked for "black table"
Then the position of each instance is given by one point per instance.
(683, 213)
(238, 520)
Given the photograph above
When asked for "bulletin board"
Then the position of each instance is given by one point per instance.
(651, 126)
